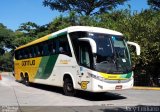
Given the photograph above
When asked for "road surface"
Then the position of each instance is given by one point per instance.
(16, 97)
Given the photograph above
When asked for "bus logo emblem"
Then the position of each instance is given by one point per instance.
(83, 84)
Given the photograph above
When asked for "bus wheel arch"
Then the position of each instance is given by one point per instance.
(68, 85)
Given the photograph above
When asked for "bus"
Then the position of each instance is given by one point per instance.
(77, 58)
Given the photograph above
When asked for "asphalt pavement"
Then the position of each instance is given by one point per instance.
(16, 97)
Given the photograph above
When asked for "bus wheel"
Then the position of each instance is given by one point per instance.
(68, 87)
(26, 80)
(21, 78)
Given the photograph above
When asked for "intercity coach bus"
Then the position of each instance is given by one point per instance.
(77, 58)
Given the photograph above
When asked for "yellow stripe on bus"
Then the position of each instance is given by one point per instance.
(112, 76)
(36, 41)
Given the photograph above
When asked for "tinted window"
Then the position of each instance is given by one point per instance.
(63, 45)
(45, 49)
(58, 45)
(103, 42)
(75, 43)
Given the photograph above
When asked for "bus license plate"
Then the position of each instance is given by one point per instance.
(118, 87)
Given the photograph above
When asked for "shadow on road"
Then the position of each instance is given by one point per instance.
(83, 94)
(47, 88)
(106, 96)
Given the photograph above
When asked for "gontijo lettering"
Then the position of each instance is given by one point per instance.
(28, 63)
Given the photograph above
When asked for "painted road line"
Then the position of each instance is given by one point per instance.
(146, 88)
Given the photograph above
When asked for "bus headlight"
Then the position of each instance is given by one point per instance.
(96, 77)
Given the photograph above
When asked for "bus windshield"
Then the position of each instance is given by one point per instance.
(112, 54)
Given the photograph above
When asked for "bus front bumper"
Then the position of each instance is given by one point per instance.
(104, 86)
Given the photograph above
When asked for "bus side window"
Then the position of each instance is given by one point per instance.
(64, 46)
(40, 50)
(27, 53)
(61, 50)
(45, 49)
(36, 50)
(24, 53)
(17, 55)
(30, 53)
(52, 47)
(20, 54)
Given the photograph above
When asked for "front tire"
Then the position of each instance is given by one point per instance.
(68, 87)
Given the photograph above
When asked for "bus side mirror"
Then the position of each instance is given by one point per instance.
(91, 42)
(136, 46)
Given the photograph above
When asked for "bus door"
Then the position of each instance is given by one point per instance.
(85, 62)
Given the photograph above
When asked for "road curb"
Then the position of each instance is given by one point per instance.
(146, 88)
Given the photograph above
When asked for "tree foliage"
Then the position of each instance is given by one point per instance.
(83, 7)
(6, 62)
(155, 4)
(29, 29)
(5, 38)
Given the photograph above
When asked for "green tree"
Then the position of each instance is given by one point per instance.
(29, 29)
(6, 62)
(32, 30)
(6, 37)
(20, 39)
(42, 31)
(155, 4)
(83, 7)
(62, 22)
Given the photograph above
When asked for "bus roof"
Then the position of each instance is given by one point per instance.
(92, 29)
(69, 30)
